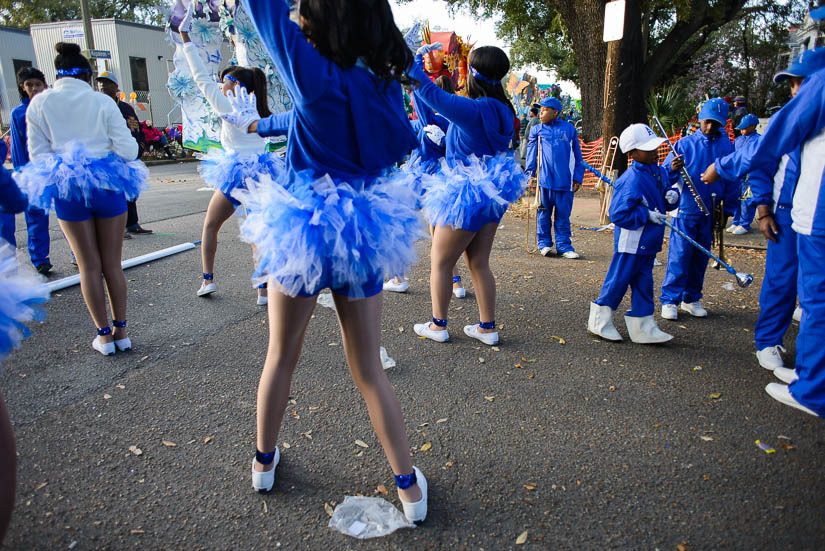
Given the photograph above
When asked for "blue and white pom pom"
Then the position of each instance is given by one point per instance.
(20, 298)
(226, 172)
(473, 192)
(72, 175)
(323, 232)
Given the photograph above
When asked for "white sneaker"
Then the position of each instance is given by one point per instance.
(572, 255)
(459, 292)
(490, 339)
(730, 228)
(780, 393)
(770, 357)
(785, 374)
(545, 251)
(423, 330)
(797, 314)
(656, 262)
(397, 287)
(739, 230)
(263, 481)
(669, 312)
(694, 309)
(105, 348)
(207, 288)
(417, 512)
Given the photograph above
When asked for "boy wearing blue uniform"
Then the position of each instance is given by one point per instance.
(744, 214)
(560, 176)
(685, 264)
(642, 196)
(30, 82)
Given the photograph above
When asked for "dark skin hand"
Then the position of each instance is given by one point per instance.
(677, 163)
(767, 223)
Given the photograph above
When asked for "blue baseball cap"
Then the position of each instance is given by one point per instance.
(552, 103)
(748, 120)
(107, 75)
(804, 65)
(715, 109)
(818, 13)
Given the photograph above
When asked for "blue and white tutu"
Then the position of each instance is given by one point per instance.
(71, 175)
(314, 233)
(474, 192)
(20, 297)
(226, 172)
(417, 167)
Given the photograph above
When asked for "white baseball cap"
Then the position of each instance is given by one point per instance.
(639, 136)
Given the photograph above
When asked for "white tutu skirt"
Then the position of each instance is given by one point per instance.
(71, 175)
(417, 167)
(314, 233)
(20, 297)
(226, 172)
(473, 192)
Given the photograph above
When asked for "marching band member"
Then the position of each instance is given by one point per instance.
(641, 199)
(686, 265)
(745, 211)
(561, 176)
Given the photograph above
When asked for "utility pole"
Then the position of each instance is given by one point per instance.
(87, 24)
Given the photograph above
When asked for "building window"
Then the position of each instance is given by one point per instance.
(19, 64)
(140, 76)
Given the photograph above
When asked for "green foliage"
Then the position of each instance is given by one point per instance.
(671, 105)
(23, 13)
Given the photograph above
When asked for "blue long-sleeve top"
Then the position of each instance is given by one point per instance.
(801, 123)
(776, 189)
(427, 149)
(276, 124)
(481, 126)
(699, 152)
(640, 189)
(561, 155)
(19, 147)
(347, 123)
(12, 200)
(743, 141)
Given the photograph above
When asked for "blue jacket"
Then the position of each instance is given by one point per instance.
(276, 124)
(19, 147)
(744, 141)
(640, 189)
(561, 155)
(12, 200)
(801, 123)
(347, 123)
(777, 189)
(699, 152)
(482, 126)
(427, 149)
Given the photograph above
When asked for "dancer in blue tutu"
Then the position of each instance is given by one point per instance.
(477, 181)
(340, 217)
(243, 155)
(82, 158)
(19, 296)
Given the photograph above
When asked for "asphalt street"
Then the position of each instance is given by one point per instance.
(580, 443)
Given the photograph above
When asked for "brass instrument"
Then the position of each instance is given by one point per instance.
(606, 192)
(536, 204)
(718, 225)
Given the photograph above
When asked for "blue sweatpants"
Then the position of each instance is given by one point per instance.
(636, 271)
(37, 226)
(777, 299)
(809, 389)
(744, 212)
(556, 214)
(686, 264)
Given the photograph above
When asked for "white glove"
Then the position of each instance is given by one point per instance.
(435, 133)
(244, 109)
(185, 24)
(672, 197)
(656, 217)
(427, 48)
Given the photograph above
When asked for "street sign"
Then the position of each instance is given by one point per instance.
(72, 32)
(613, 21)
(100, 54)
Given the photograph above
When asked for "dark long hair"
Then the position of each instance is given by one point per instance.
(492, 63)
(445, 83)
(69, 57)
(24, 74)
(254, 80)
(345, 30)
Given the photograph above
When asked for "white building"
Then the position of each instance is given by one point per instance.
(809, 35)
(16, 51)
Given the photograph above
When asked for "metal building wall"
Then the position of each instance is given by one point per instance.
(14, 44)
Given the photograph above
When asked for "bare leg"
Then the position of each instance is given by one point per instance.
(484, 284)
(218, 212)
(360, 322)
(288, 319)
(110, 245)
(448, 244)
(8, 469)
(83, 241)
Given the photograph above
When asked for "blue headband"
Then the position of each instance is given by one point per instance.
(230, 78)
(73, 72)
(481, 77)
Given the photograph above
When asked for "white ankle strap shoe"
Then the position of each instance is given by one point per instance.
(263, 481)
(417, 512)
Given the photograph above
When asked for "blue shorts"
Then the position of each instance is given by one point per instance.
(235, 202)
(104, 204)
(366, 290)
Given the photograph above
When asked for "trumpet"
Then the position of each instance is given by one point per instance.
(536, 204)
(607, 168)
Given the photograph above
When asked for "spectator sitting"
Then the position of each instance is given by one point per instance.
(155, 138)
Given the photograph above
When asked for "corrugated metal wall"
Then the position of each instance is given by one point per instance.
(14, 44)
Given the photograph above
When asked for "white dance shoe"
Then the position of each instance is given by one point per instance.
(416, 512)
(207, 288)
(669, 312)
(394, 287)
(105, 348)
(797, 314)
(781, 393)
(459, 292)
(123, 344)
(643, 330)
(771, 357)
(263, 481)
(785, 374)
(600, 322)
(263, 300)
(694, 309)
(490, 339)
(423, 330)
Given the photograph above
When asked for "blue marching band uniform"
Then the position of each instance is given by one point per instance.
(746, 209)
(561, 167)
(686, 265)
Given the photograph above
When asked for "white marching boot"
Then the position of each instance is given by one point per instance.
(644, 330)
(600, 322)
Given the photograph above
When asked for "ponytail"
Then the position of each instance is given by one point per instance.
(254, 80)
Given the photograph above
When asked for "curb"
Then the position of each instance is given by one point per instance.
(161, 162)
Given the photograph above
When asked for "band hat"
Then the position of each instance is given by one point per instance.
(748, 120)
(715, 109)
(108, 75)
(804, 65)
(552, 103)
(641, 137)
